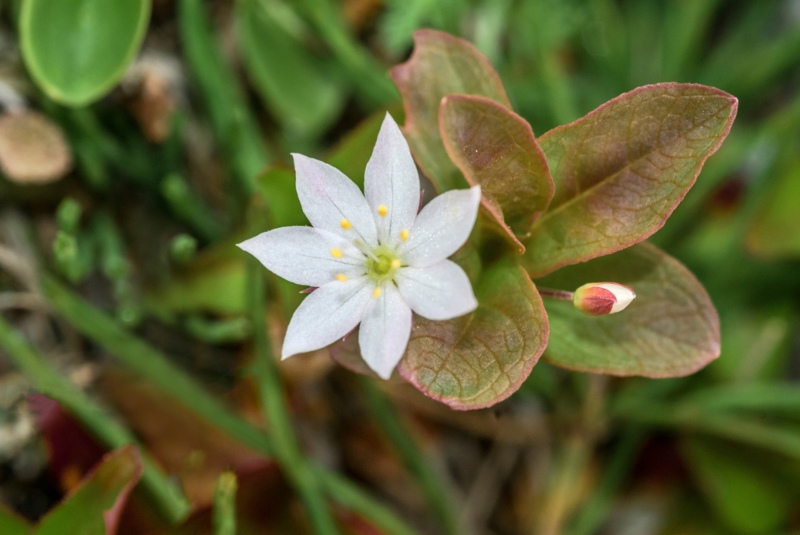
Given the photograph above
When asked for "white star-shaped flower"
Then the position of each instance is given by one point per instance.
(374, 260)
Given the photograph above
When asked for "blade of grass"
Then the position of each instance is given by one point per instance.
(410, 452)
(234, 127)
(685, 24)
(354, 498)
(149, 362)
(44, 378)
(784, 440)
(773, 397)
(156, 367)
(368, 75)
(287, 450)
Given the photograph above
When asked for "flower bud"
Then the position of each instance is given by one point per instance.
(600, 298)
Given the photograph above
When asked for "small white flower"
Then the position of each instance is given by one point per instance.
(374, 259)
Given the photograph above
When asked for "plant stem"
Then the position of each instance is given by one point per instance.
(165, 494)
(559, 501)
(555, 294)
(429, 482)
(573, 460)
(287, 451)
(225, 504)
(592, 513)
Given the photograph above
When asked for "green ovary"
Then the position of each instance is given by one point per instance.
(383, 266)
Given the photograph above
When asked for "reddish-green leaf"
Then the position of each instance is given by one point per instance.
(621, 170)
(480, 359)
(670, 329)
(94, 507)
(440, 65)
(495, 147)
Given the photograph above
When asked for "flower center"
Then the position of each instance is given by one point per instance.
(382, 264)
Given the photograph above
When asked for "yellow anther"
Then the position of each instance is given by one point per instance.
(395, 263)
(345, 224)
(341, 277)
(382, 210)
(404, 234)
(376, 293)
(336, 253)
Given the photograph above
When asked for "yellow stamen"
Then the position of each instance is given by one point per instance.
(404, 234)
(345, 224)
(336, 253)
(341, 277)
(376, 293)
(382, 210)
(395, 263)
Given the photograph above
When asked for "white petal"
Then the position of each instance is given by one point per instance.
(442, 227)
(327, 314)
(384, 331)
(624, 295)
(391, 180)
(438, 292)
(302, 255)
(328, 198)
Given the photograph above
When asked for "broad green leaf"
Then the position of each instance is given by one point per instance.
(13, 524)
(279, 191)
(290, 80)
(214, 282)
(622, 169)
(76, 50)
(351, 154)
(671, 328)
(440, 65)
(480, 359)
(495, 147)
(94, 507)
(775, 232)
(747, 495)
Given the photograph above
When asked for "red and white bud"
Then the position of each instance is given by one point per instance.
(601, 298)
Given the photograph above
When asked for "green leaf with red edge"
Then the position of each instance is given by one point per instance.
(671, 329)
(13, 524)
(440, 65)
(480, 359)
(94, 507)
(622, 169)
(496, 148)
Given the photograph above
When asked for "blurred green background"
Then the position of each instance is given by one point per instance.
(140, 142)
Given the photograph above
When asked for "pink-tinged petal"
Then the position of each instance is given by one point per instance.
(442, 227)
(327, 314)
(305, 255)
(438, 292)
(384, 331)
(600, 298)
(391, 180)
(333, 202)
